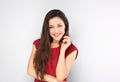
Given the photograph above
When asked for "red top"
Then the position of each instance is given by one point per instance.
(51, 67)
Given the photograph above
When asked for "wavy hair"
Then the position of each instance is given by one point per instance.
(43, 52)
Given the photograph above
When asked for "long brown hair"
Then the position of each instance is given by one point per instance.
(44, 49)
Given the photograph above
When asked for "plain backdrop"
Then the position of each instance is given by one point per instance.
(94, 28)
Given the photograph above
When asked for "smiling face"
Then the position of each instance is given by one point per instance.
(56, 28)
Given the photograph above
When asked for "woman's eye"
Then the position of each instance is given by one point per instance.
(59, 25)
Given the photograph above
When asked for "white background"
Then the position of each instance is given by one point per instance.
(94, 28)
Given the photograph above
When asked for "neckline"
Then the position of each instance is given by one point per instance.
(56, 47)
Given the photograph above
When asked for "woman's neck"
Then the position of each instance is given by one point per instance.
(54, 44)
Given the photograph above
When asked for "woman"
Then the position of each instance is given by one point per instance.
(53, 54)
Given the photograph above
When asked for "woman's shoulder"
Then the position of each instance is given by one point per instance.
(71, 48)
(36, 42)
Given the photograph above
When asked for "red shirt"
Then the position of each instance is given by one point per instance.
(51, 65)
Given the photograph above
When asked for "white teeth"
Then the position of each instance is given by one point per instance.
(56, 35)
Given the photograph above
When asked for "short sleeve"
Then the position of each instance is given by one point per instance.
(36, 42)
(70, 49)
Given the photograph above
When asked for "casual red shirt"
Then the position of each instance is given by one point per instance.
(51, 65)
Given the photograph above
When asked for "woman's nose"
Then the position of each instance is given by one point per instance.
(56, 30)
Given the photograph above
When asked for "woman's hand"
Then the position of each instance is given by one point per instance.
(66, 42)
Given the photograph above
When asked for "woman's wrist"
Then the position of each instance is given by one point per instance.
(62, 50)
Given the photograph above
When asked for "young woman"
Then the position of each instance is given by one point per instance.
(53, 54)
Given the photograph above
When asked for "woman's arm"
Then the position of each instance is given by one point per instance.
(31, 70)
(64, 64)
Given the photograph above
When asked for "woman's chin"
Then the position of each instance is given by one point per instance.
(57, 39)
